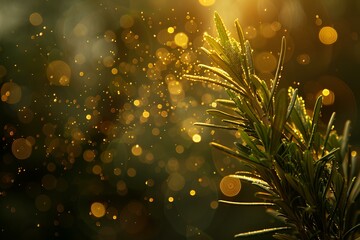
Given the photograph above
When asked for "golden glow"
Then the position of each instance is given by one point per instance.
(58, 73)
(170, 30)
(265, 62)
(137, 103)
(214, 204)
(353, 153)
(230, 186)
(21, 148)
(192, 193)
(181, 39)
(325, 92)
(179, 149)
(303, 59)
(97, 209)
(131, 172)
(10, 93)
(176, 182)
(107, 156)
(114, 71)
(136, 150)
(117, 171)
(171, 199)
(97, 169)
(146, 114)
(206, 3)
(35, 19)
(328, 96)
(88, 155)
(126, 21)
(88, 117)
(196, 138)
(328, 35)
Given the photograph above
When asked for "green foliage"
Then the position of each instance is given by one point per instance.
(305, 176)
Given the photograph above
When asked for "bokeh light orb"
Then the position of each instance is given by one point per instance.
(207, 3)
(21, 148)
(303, 59)
(230, 186)
(35, 19)
(126, 21)
(181, 39)
(11, 93)
(97, 209)
(265, 62)
(176, 182)
(58, 73)
(328, 96)
(328, 35)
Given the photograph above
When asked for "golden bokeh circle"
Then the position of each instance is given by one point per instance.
(98, 209)
(58, 73)
(230, 186)
(21, 148)
(328, 35)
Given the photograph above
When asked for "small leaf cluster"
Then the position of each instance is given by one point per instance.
(305, 173)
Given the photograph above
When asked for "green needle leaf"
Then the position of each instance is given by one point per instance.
(262, 231)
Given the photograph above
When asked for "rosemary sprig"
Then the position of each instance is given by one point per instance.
(305, 175)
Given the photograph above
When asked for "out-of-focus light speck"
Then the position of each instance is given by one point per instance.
(150, 182)
(146, 114)
(89, 155)
(117, 171)
(97, 209)
(58, 73)
(137, 103)
(230, 186)
(265, 62)
(107, 156)
(353, 153)
(136, 150)
(303, 59)
(214, 204)
(35, 19)
(192, 192)
(250, 32)
(267, 30)
(126, 21)
(328, 96)
(88, 117)
(21, 148)
(171, 199)
(325, 92)
(206, 3)
(328, 35)
(97, 169)
(131, 172)
(318, 20)
(181, 39)
(176, 182)
(114, 71)
(170, 30)
(179, 149)
(11, 93)
(196, 138)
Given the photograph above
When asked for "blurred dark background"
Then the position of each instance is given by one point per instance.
(97, 134)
